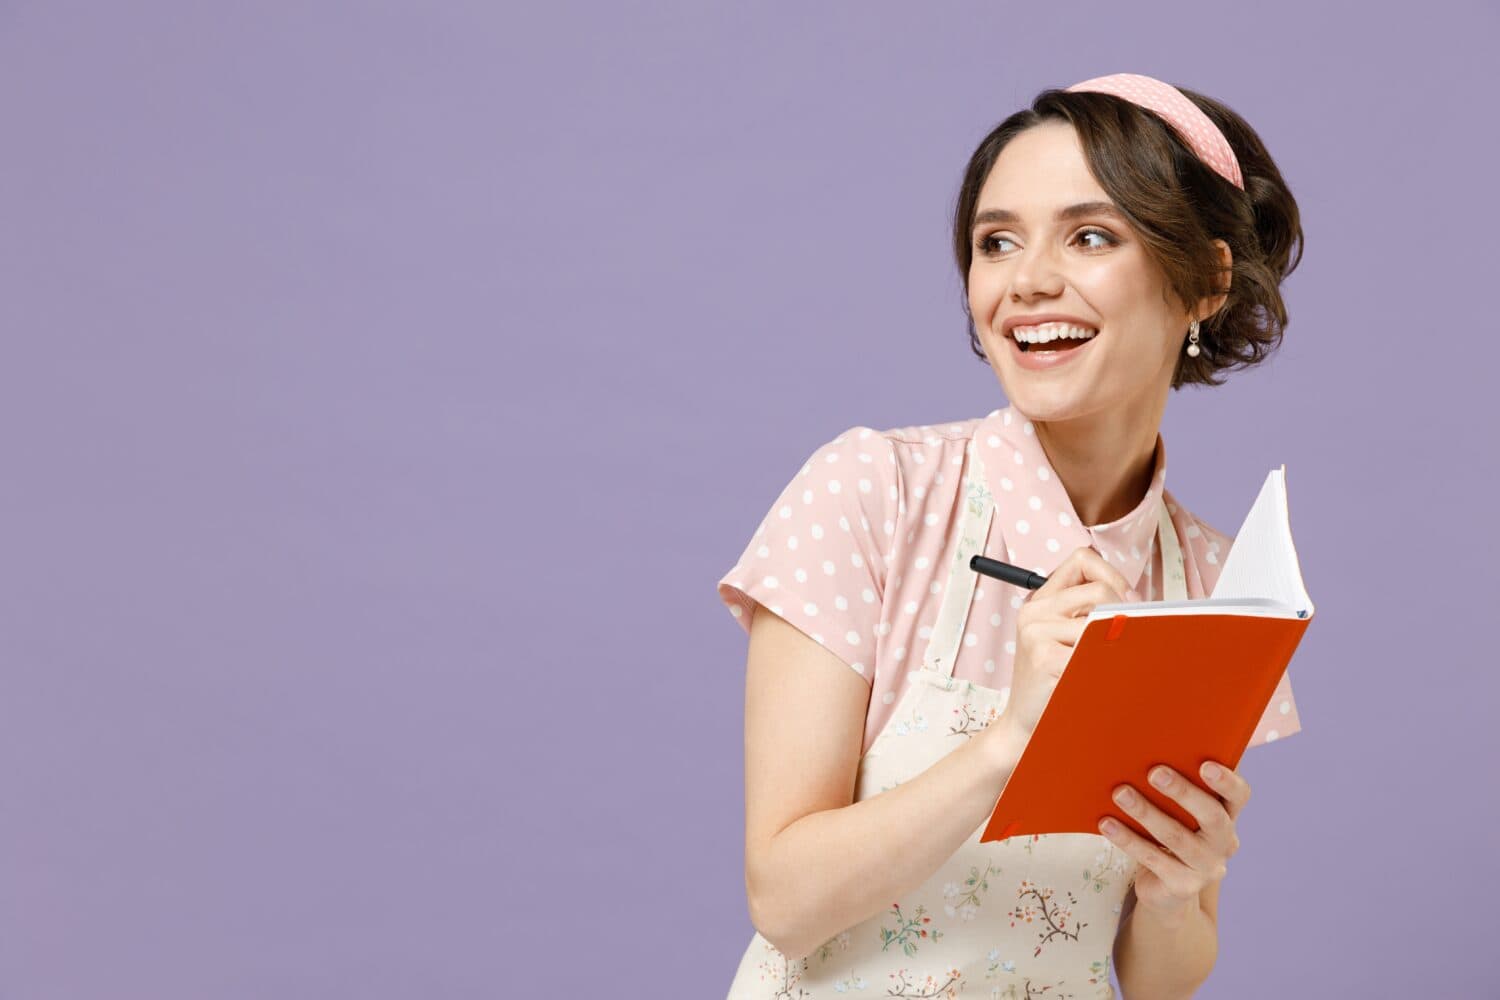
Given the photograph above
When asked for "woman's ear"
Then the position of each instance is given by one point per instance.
(1216, 302)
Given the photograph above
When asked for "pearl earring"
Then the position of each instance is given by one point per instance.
(1192, 349)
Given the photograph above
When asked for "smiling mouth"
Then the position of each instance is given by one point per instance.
(1059, 344)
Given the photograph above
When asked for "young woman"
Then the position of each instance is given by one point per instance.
(1117, 240)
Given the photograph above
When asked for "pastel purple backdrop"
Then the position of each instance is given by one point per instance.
(387, 385)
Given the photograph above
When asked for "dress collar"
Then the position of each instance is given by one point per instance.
(1034, 514)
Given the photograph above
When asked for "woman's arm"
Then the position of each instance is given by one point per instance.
(1157, 957)
(816, 862)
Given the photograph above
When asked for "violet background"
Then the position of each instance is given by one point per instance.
(388, 384)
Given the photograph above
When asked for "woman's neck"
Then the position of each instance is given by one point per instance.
(1105, 463)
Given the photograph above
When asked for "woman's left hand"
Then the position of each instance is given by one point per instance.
(1170, 881)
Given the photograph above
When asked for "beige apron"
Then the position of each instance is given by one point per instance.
(1003, 919)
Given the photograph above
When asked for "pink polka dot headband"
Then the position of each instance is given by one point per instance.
(1193, 126)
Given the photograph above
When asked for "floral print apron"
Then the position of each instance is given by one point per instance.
(1029, 916)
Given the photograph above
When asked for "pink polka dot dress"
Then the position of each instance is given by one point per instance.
(854, 552)
(865, 552)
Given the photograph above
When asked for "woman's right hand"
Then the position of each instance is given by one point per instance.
(1050, 623)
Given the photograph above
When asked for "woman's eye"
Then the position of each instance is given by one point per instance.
(1108, 240)
(988, 243)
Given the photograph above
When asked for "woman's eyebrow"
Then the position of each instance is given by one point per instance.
(1063, 214)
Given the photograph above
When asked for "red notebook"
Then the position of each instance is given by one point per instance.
(1163, 682)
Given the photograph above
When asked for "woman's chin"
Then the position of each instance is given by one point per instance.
(1043, 399)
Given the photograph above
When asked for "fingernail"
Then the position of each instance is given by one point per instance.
(1211, 771)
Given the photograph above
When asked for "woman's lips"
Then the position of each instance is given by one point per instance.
(1036, 361)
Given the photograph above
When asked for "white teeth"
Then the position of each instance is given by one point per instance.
(1048, 332)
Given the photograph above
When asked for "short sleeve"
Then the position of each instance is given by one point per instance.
(819, 557)
(1210, 548)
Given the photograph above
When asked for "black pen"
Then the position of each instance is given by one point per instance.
(1005, 571)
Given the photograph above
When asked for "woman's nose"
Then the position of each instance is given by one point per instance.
(1036, 272)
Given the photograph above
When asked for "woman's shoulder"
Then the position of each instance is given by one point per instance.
(934, 435)
(915, 442)
(915, 458)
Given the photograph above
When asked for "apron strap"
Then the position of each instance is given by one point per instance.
(974, 528)
(1174, 579)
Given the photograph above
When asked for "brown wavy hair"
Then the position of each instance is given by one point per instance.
(1177, 205)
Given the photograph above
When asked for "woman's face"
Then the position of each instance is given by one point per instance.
(1090, 266)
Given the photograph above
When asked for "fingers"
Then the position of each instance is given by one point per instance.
(1182, 880)
(1193, 858)
(1074, 602)
(1082, 599)
(1229, 785)
(1214, 821)
(1046, 630)
(1084, 565)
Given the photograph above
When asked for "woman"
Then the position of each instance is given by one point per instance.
(1133, 236)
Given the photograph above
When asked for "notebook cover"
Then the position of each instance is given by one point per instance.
(1137, 692)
